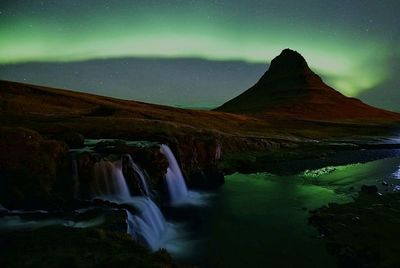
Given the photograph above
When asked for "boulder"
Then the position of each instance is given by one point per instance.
(29, 166)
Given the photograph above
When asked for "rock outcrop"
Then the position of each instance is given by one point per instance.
(29, 165)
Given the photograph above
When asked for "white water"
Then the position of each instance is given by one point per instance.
(110, 181)
(218, 152)
(143, 179)
(396, 174)
(148, 225)
(176, 185)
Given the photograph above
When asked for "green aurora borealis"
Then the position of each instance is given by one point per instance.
(348, 42)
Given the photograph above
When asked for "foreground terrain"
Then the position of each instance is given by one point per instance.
(58, 145)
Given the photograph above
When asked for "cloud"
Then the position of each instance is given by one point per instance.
(186, 82)
(387, 94)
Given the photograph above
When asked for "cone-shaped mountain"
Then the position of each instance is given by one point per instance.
(290, 87)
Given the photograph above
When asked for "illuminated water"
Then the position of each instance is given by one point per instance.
(148, 226)
(176, 185)
(109, 181)
(260, 220)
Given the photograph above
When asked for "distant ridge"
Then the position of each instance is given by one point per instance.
(290, 87)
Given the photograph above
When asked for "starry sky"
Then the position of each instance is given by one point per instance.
(199, 53)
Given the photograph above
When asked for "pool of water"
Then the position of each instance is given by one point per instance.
(261, 220)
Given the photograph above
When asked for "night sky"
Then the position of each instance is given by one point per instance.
(199, 53)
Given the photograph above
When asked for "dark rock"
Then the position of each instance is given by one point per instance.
(29, 166)
(207, 180)
(369, 189)
(150, 160)
(77, 247)
(110, 204)
(198, 157)
(131, 176)
(74, 140)
(113, 147)
(362, 233)
(85, 163)
(154, 164)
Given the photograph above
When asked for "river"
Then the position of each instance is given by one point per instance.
(261, 220)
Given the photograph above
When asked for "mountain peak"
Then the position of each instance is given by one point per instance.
(290, 87)
(288, 63)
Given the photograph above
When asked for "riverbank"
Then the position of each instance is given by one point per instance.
(362, 233)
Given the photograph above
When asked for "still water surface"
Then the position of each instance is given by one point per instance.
(260, 220)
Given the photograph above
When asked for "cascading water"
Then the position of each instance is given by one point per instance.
(110, 181)
(218, 152)
(148, 225)
(175, 182)
(144, 187)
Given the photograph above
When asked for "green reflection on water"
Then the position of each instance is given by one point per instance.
(260, 220)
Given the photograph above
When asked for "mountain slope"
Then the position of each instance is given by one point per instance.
(290, 87)
(55, 111)
(24, 103)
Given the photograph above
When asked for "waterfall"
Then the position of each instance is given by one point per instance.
(175, 182)
(144, 187)
(109, 181)
(218, 152)
(148, 226)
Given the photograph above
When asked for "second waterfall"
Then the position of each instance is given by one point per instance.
(176, 185)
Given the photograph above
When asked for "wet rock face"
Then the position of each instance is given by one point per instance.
(85, 175)
(28, 167)
(132, 178)
(154, 163)
(150, 161)
(198, 157)
(35, 170)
